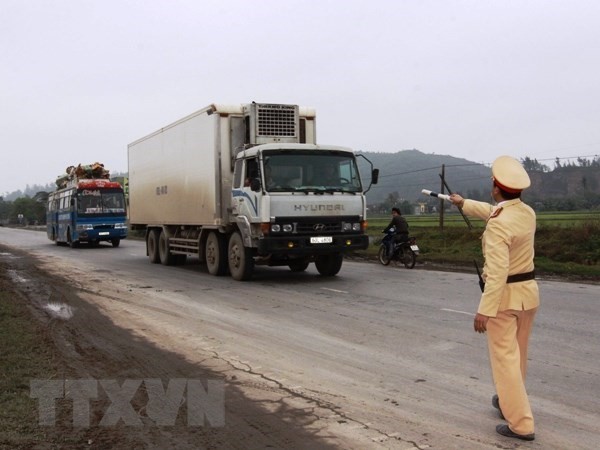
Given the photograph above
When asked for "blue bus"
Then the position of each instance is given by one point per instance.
(91, 210)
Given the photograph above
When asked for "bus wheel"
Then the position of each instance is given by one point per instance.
(115, 242)
(55, 237)
(216, 254)
(70, 241)
(152, 245)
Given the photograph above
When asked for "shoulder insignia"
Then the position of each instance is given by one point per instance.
(496, 212)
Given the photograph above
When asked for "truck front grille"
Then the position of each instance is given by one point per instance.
(316, 225)
(318, 228)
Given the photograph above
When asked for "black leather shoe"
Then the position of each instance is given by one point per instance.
(496, 404)
(505, 431)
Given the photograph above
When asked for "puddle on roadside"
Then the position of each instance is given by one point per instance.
(8, 255)
(16, 277)
(59, 310)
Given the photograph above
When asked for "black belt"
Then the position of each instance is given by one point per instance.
(516, 278)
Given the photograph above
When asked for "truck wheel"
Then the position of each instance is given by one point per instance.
(298, 266)
(152, 245)
(329, 265)
(241, 263)
(216, 254)
(115, 242)
(164, 252)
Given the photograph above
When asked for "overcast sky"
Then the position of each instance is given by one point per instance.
(79, 80)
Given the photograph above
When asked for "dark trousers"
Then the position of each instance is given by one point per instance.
(390, 241)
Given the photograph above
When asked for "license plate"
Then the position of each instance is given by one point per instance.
(321, 240)
(103, 233)
(414, 248)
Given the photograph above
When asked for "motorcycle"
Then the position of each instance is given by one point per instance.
(404, 252)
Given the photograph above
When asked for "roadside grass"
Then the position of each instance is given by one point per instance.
(24, 355)
(572, 251)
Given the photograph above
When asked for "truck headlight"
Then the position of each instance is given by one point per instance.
(287, 228)
(356, 226)
(346, 226)
(275, 228)
(120, 225)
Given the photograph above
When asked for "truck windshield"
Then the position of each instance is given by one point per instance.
(310, 171)
(100, 202)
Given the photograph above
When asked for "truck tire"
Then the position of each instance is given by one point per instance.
(329, 265)
(241, 263)
(164, 252)
(152, 245)
(298, 266)
(216, 254)
(115, 242)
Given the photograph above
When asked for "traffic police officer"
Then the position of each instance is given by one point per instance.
(510, 297)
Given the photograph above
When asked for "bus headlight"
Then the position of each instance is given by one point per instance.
(120, 225)
(85, 226)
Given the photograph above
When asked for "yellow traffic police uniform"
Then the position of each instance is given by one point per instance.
(507, 245)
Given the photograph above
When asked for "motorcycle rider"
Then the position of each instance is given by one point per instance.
(400, 224)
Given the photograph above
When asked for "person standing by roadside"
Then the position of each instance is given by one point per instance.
(510, 298)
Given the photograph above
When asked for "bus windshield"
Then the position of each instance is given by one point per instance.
(92, 202)
(310, 171)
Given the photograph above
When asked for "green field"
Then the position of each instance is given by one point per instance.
(454, 219)
(567, 244)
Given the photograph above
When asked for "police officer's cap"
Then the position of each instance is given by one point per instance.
(509, 175)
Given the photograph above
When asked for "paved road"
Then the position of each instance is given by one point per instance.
(388, 349)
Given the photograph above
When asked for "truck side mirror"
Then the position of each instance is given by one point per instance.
(375, 176)
(255, 184)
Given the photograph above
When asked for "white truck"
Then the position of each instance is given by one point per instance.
(245, 185)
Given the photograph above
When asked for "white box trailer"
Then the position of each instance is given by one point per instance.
(240, 185)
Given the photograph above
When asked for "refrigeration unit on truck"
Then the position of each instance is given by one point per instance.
(246, 185)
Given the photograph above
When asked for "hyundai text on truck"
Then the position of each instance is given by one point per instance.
(247, 185)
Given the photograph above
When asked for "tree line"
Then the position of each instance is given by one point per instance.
(24, 210)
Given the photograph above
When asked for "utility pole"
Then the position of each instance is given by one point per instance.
(442, 175)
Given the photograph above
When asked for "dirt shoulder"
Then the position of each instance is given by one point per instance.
(201, 401)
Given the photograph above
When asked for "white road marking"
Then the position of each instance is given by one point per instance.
(335, 290)
(458, 312)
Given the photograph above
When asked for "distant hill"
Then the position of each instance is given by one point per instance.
(409, 171)
(565, 182)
